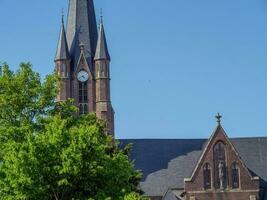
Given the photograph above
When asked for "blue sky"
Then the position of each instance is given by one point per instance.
(175, 63)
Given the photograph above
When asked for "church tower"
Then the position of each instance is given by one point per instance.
(82, 61)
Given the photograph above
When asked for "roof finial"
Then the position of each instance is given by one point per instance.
(218, 117)
(62, 15)
(101, 15)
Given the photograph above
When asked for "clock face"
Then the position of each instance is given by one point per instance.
(82, 76)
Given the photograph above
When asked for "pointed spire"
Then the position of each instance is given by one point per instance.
(102, 47)
(62, 48)
(81, 28)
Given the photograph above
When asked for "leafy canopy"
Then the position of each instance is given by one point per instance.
(24, 99)
(48, 152)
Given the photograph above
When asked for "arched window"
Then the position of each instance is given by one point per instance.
(219, 154)
(83, 92)
(207, 176)
(235, 176)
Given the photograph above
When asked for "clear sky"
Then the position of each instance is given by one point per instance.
(175, 63)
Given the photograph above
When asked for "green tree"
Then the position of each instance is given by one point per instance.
(24, 99)
(134, 196)
(58, 155)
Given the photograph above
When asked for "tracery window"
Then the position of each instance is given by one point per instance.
(235, 176)
(207, 176)
(219, 154)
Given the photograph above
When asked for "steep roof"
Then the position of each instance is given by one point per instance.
(62, 52)
(81, 28)
(165, 163)
(102, 47)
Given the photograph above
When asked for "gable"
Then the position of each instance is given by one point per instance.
(220, 168)
(82, 64)
(218, 136)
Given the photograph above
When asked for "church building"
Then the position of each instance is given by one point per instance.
(218, 168)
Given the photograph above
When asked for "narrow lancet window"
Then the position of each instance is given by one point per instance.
(235, 176)
(207, 176)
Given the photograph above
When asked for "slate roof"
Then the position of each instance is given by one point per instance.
(82, 28)
(62, 52)
(165, 163)
(170, 196)
(102, 47)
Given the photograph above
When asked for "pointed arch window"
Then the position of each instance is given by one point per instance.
(207, 176)
(219, 154)
(235, 176)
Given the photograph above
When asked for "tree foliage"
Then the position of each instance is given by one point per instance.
(48, 152)
(24, 99)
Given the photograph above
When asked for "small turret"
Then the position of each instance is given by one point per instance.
(104, 108)
(102, 47)
(62, 64)
(62, 47)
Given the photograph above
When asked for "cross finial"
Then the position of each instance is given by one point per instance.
(62, 15)
(101, 14)
(218, 117)
(100, 23)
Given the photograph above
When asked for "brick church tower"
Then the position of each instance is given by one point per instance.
(82, 61)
